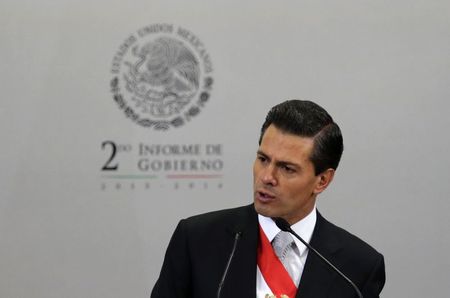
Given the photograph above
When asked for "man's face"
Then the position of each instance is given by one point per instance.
(284, 181)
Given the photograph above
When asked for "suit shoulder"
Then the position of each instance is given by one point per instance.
(350, 243)
(231, 219)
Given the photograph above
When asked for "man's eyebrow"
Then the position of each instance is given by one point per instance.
(280, 162)
(259, 152)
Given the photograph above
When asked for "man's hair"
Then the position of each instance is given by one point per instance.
(307, 119)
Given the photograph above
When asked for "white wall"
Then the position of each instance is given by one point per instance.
(381, 68)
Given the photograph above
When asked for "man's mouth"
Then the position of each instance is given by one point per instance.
(264, 196)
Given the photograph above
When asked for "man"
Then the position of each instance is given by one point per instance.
(299, 150)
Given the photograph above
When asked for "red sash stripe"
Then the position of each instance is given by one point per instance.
(273, 271)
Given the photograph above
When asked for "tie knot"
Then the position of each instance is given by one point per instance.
(282, 243)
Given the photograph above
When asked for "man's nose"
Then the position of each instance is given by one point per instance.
(268, 176)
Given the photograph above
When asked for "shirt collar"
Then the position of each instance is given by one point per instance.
(304, 228)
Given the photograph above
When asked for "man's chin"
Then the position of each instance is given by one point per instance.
(265, 210)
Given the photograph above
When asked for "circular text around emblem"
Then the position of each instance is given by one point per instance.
(162, 76)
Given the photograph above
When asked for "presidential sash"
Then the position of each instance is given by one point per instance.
(273, 271)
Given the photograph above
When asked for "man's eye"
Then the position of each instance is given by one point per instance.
(261, 158)
(288, 169)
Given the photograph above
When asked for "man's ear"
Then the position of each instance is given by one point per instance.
(323, 180)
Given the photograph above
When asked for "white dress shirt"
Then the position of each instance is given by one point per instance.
(304, 228)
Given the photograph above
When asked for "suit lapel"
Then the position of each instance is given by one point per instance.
(241, 279)
(317, 277)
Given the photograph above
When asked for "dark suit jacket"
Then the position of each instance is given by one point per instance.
(201, 245)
